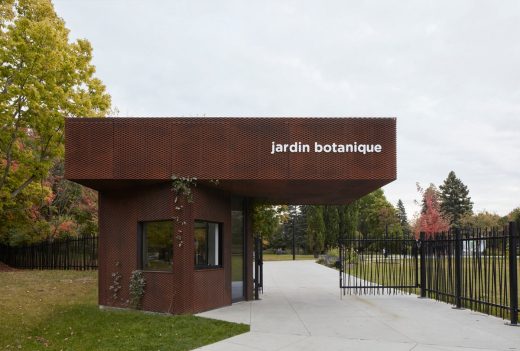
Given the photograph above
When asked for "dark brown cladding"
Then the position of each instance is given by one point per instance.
(105, 153)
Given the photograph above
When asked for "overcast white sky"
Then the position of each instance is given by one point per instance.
(448, 70)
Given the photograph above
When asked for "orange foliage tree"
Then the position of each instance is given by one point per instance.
(430, 220)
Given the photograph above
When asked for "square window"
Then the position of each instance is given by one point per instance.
(157, 245)
(207, 244)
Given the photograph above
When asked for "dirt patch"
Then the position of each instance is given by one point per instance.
(6, 268)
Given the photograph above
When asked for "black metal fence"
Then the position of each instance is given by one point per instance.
(71, 253)
(471, 268)
(379, 265)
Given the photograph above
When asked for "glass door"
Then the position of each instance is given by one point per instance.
(237, 249)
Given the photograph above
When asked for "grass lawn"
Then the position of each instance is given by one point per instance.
(286, 257)
(383, 271)
(57, 310)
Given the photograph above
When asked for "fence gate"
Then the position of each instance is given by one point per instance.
(379, 265)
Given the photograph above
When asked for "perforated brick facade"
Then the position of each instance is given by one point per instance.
(130, 162)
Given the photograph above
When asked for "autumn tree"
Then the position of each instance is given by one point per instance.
(455, 202)
(43, 78)
(73, 208)
(430, 220)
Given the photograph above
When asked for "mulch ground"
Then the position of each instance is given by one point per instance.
(6, 268)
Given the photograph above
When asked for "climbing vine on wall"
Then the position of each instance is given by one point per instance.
(182, 188)
(136, 288)
(116, 286)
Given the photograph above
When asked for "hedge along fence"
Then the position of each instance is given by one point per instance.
(70, 253)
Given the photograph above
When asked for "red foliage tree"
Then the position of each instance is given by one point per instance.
(431, 220)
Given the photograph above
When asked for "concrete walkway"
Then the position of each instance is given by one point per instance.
(301, 310)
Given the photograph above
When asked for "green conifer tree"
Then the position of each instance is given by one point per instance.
(403, 218)
(331, 219)
(455, 202)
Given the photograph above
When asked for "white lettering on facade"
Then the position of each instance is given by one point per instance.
(299, 147)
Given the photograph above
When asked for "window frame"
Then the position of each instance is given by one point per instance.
(140, 245)
(220, 251)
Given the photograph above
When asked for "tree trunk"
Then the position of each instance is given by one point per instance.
(23, 186)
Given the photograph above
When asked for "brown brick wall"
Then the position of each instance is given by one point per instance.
(184, 290)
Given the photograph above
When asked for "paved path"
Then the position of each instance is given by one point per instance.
(301, 310)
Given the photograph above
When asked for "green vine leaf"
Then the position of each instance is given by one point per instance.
(137, 285)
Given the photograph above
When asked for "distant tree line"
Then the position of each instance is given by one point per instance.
(450, 206)
(318, 228)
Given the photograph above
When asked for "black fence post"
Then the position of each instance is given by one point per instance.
(415, 254)
(261, 267)
(513, 278)
(95, 250)
(293, 242)
(458, 269)
(67, 256)
(340, 265)
(84, 262)
(422, 265)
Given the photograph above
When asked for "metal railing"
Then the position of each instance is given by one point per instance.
(469, 268)
(474, 269)
(379, 265)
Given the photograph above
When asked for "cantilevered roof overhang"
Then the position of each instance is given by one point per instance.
(280, 160)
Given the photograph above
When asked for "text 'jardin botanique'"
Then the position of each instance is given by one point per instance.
(298, 146)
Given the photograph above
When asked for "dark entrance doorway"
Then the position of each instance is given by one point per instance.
(258, 273)
(237, 249)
